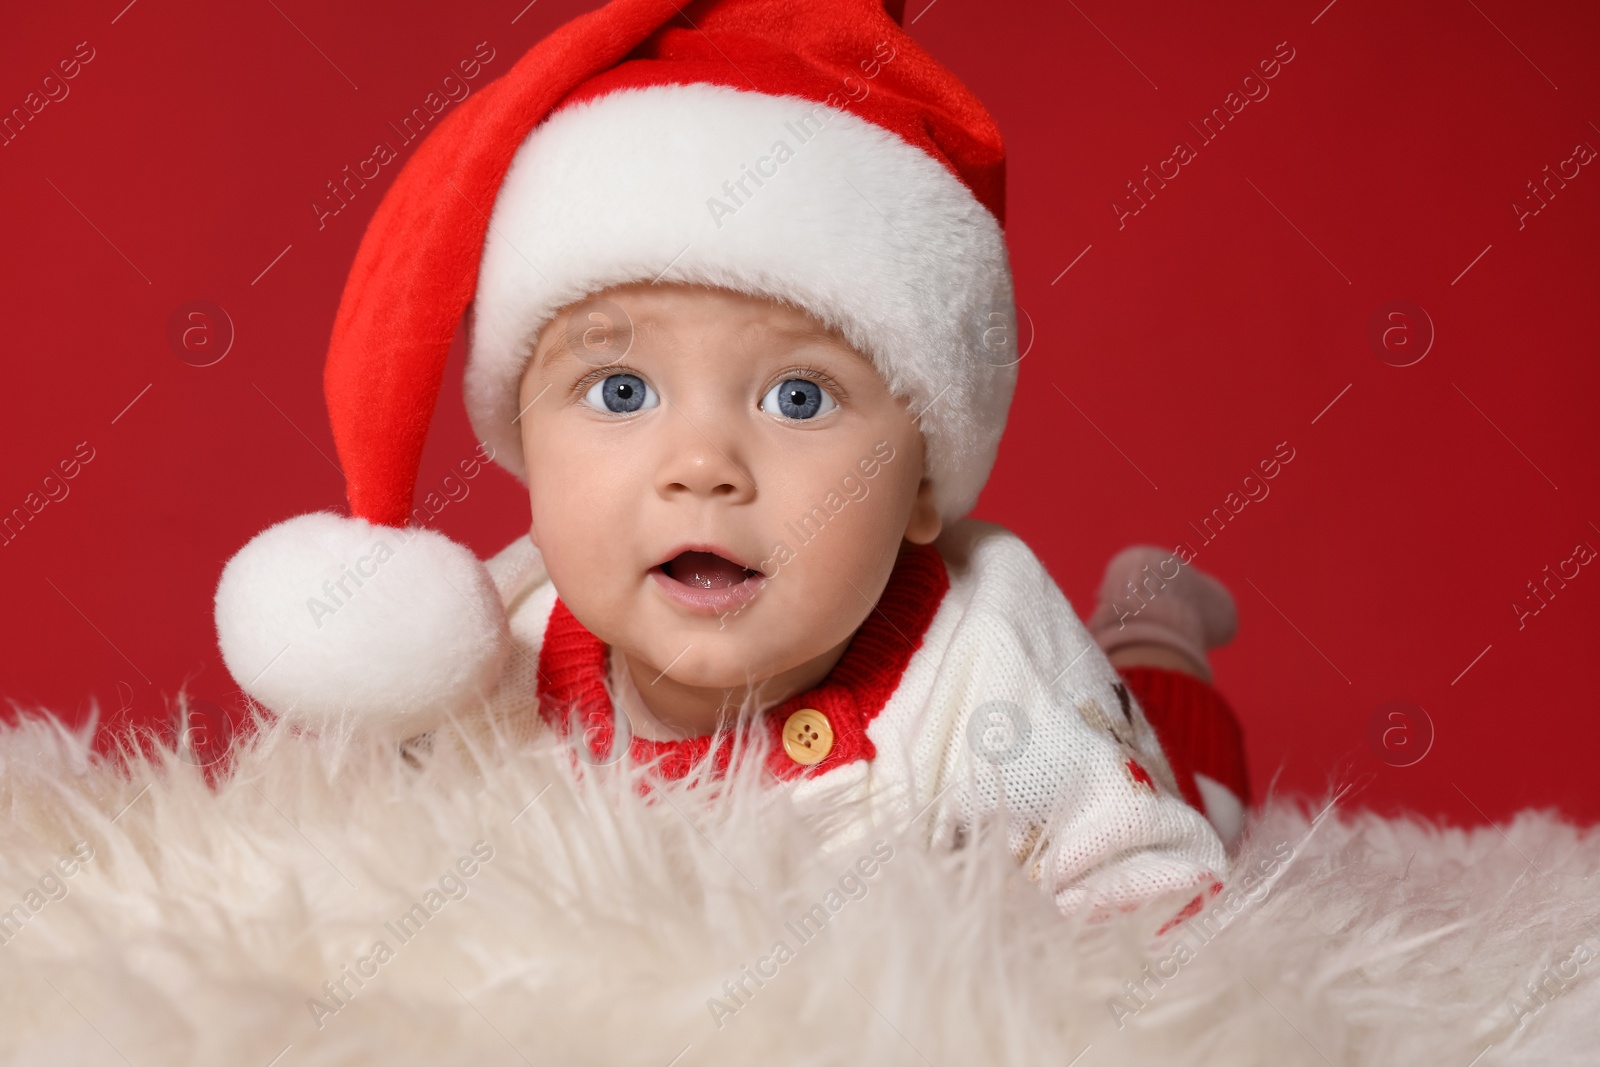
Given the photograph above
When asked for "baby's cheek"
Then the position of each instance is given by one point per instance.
(785, 639)
(833, 583)
(573, 489)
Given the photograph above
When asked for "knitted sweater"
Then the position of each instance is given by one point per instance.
(972, 689)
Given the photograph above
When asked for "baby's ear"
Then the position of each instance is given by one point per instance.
(925, 523)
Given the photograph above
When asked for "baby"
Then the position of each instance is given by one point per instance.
(741, 322)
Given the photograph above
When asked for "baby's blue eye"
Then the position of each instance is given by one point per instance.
(797, 398)
(621, 394)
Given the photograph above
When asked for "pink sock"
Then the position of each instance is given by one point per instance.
(1148, 596)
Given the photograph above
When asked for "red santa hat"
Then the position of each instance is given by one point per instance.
(808, 151)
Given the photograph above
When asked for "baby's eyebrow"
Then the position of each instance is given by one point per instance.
(815, 333)
(546, 354)
(556, 346)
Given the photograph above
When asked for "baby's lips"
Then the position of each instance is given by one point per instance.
(708, 600)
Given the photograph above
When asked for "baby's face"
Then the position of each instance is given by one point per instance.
(719, 486)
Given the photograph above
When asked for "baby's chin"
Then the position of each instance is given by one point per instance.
(722, 660)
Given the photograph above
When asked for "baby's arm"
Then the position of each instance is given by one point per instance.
(1090, 803)
(1037, 726)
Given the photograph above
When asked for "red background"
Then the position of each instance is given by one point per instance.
(1220, 320)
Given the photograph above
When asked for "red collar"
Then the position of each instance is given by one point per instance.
(572, 673)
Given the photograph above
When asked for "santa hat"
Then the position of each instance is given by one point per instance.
(808, 151)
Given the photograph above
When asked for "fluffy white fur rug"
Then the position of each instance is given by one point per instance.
(557, 917)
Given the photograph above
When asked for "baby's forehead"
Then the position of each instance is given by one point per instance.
(678, 313)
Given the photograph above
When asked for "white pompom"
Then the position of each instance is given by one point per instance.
(328, 619)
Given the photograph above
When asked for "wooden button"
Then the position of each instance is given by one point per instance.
(807, 737)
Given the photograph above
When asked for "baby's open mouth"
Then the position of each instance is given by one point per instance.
(706, 570)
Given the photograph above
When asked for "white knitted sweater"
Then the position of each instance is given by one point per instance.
(1007, 705)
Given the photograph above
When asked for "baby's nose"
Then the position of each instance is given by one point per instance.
(698, 465)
